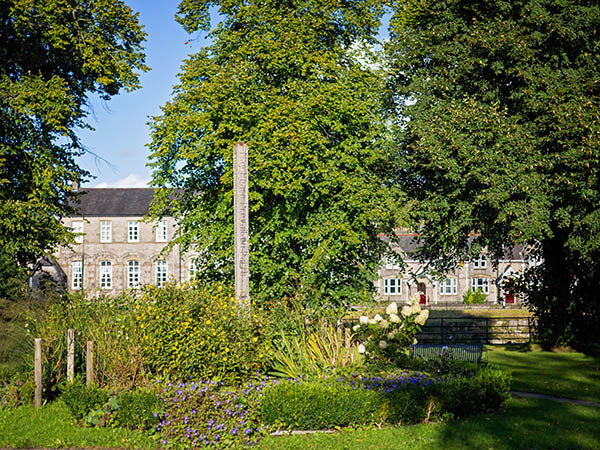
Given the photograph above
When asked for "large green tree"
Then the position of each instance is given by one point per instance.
(53, 55)
(498, 107)
(298, 82)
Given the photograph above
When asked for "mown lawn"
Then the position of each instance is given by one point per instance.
(563, 374)
(525, 423)
(52, 427)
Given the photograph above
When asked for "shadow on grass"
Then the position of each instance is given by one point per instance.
(528, 423)
(523, 348)
(524, 424)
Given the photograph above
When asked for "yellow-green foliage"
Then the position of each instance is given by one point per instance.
(199, 331)
(108, 322)
(324, 352)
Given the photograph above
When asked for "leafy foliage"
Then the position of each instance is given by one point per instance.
(108, 322)
(498, 133)
(471, 297)
(198, 331)
(198, 414)
(397, 398)
(319, 405)
(81, 400)
(385, 339)
(53, 55)
(299, 83)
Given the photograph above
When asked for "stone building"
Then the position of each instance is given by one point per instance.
(394, 284)
(117, 250)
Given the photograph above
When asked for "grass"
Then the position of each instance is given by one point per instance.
(525, 423)
(562, 374)
(52, 427)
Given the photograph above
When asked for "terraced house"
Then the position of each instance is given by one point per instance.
(481, 273)
(116, 249)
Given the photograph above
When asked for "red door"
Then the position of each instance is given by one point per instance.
(509, 297)
(422, 290)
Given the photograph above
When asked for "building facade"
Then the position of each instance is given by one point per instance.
(414, 282)
(118, 249)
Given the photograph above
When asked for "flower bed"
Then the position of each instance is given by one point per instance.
(199, 414)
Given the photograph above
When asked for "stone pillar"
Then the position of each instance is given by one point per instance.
(240, 221)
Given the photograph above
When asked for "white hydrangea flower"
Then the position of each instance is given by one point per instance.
(377, 318)
(361, 348)
(355, 328)
(415, 309)
(392, 308)
(394, 318)
(422, 317)
(383, 344)
(391, 335)
(363, 320)
(372, 321)
(406, 311)
(384, 324)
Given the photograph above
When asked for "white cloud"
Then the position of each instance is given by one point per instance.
(132, 180)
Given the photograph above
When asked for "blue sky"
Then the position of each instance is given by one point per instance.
(121, 129)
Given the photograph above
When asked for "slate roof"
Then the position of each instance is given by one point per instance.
(409, 245)
(114, 202)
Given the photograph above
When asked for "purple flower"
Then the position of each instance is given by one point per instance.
(234, 431)
(248, 431)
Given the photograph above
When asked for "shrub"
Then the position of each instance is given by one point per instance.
(463, 396)
(18, 392)
(471, 297)
(206, 413)
(320, 404)
(398, 398)
(197, 331)
(81, 400)
(440, 366)
(137, 410)
(384, 339)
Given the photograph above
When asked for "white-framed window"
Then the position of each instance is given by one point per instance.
(480, 262)
(448, 286)
(133, 274)
(481, 283)
(105, 231)
(133, 231)
(161, 269)
(161, 231)
(77, 274)
(392, 286)
(391, 263)
(77, 227)
(193, 268)
(106, 275)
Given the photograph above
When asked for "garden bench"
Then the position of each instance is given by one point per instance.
(463, 352)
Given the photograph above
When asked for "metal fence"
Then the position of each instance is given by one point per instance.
(482, 330)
